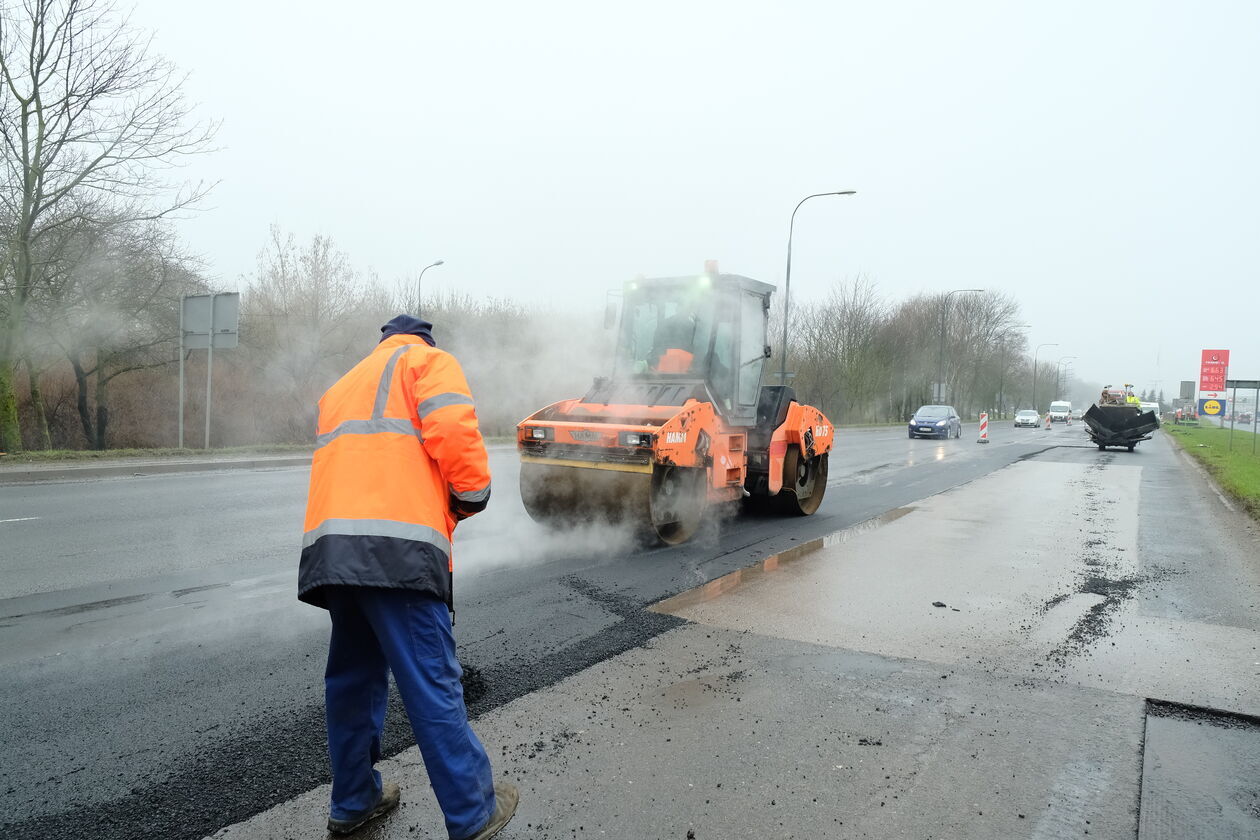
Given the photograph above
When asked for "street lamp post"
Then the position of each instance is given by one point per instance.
(421, 278)
(1002, 370)
(1034, 388)
(1058, 370)
(940, 356)
(787, 279)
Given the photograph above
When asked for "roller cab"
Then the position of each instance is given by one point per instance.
(682, 424)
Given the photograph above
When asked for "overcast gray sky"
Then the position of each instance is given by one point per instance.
(1096, 161)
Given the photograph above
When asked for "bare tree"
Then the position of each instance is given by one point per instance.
(89, 118)
(114, 310)
(308, 317)
(838, 360)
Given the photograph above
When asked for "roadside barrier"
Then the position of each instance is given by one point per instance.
(984, 427)
(1047, 421)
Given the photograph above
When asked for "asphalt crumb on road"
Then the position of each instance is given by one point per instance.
(1098, 619)
(1103, 571)
(474, 683)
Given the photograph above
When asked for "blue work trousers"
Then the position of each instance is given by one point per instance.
(374, 632)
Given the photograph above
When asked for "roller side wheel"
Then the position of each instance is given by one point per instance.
(804, 483)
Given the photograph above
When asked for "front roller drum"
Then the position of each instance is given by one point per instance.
(667, 504)
(804, 483)
(563, 496)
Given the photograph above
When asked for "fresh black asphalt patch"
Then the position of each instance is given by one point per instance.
(278, 759)
(1200, 774)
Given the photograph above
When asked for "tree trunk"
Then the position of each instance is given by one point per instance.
(102, 407)
(10, 431)
(10, 428)
(43, 438)
(81, 402)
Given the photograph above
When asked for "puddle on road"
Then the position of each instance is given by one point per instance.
(718, 587)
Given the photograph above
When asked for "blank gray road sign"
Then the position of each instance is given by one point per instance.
(227, 316)
(1187, 389)
(1245, 384)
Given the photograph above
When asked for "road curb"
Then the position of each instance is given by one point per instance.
(87, 471)
(36, 473)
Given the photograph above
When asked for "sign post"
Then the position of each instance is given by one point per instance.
(183, 304)
(1254, 385)
(206, 322)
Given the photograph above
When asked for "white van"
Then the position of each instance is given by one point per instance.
(1060, 411)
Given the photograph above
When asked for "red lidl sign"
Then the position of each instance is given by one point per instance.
(1213, 368)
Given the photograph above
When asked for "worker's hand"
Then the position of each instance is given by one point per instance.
(461, 510)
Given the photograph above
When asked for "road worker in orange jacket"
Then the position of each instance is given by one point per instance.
(399, 461)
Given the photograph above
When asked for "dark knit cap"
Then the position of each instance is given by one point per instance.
(409, 325)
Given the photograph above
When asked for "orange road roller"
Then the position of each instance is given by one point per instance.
(684, 422)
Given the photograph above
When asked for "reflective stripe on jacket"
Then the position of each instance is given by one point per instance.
(399, 460)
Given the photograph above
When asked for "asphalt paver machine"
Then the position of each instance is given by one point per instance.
(684, 422)
(1117, 420)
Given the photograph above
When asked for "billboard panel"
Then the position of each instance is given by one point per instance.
(1213, 367)
(1212, 408)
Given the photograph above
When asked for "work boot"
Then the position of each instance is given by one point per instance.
(505, 798)
(388, 802)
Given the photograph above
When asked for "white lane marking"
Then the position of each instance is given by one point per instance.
(1224, 500)
(23, 519)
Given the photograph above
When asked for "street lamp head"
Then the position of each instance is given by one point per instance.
(440, 262)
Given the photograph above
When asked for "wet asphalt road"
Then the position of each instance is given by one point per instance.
(162, 681)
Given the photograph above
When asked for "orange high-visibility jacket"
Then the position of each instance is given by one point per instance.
(675, 360)
(399, 460)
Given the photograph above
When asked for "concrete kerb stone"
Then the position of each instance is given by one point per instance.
(29, 473)
(33, 473)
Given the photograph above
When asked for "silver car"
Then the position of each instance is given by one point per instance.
(1028, 418)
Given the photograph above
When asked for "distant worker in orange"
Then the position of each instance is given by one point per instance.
(399, 460)
(675, 360)
(674, 338)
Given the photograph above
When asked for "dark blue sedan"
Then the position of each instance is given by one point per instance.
(941, 421)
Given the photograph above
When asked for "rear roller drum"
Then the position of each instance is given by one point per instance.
(804, 482)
